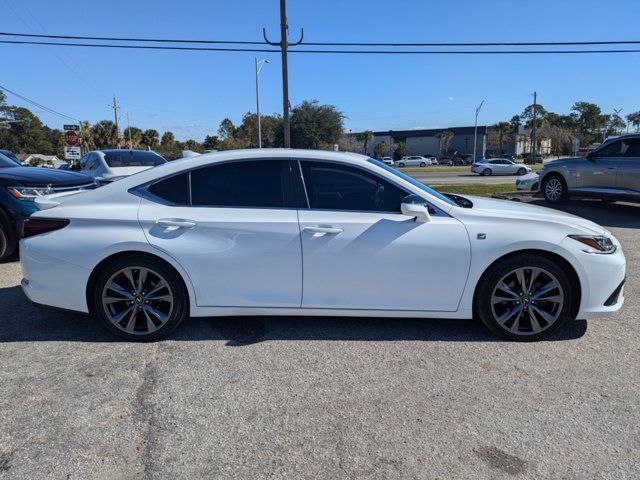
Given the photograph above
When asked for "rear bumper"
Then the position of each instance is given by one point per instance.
(51, 282)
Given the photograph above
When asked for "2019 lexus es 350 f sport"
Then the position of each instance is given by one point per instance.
(293, 232)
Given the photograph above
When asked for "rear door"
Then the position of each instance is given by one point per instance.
(234, 229)
(360, 252)
(628, 177)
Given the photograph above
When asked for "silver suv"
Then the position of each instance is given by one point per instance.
(611, 172)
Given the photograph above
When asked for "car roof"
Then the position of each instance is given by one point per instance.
(120, 150)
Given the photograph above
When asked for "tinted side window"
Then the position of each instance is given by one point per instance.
(332, 186)
(240, 184)
(614, 149)
(173, 189)
(633, 149)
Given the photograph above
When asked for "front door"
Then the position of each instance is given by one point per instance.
(234, 229)
(361, 253)
(599, 171)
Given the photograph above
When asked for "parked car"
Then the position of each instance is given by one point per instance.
(528, 183)
(433, 158)
(19, 187)
(466, 158)
(499, 166)
(237, 233)
(413, 161)
(11, 156)
(388, 161)
(107, 166)
(457, 160)
(610, 172)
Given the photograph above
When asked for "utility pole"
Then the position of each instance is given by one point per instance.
(284, 45)
(533, 128)
(115, 117)
(259, 64)
(475, 131)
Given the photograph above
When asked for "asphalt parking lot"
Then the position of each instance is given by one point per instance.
(323, 397)
(460, 178)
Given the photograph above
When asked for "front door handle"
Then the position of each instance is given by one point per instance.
(318, 229)
(174, 223)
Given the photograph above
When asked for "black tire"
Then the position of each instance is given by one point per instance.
(422, 164)
(8, 237)
(521, 171)
(487, 172)
(485, 310)
(401, 165)
(554, 189)
(179, 310)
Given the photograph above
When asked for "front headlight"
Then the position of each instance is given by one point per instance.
(596, 243)
(29, 194)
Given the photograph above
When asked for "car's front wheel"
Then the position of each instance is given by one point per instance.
(554, 189)
(139, 298)
(401, 165)
(422, 164)
(521, 171)
(524, 297)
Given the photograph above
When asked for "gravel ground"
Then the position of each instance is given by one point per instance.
(321, 398)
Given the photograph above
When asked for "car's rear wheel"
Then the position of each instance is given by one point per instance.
(554, 189)
(139, 298)
(521, 171)
(525, 298)
(487, 172)
(8, 240)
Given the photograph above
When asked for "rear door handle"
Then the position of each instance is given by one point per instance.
(317, 229)
(175, 223)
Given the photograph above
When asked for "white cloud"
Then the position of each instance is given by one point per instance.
(452, 99)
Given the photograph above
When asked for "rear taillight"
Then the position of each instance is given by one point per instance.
(37, 226)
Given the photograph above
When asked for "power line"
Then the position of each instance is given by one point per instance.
(39, 105)
(335, 44)
(350, 52)
(131, 39)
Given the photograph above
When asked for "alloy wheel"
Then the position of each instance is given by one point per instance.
(553, 189)
(527, 301)
(137, 300)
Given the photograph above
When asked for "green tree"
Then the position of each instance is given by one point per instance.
(634, 119)
(211, 142)
(400, 151)
(27, 131)
(132, 137)
(381, 149)
(86, 140)
(366, 137)
(615, 124)
(104, 134)
(192, 145)
(502, 130)
(444, 139)
(150, 138)
(589, 121)
(227, 129)
(315, 126)
(168, 141)
(515, 123)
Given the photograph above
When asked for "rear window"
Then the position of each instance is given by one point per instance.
(129, 158)
(174, 189)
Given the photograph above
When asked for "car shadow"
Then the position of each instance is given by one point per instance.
(22, 322)
(619, 214)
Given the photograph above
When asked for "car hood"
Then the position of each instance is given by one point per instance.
(42, 177)
(525, 211)
(124, 171)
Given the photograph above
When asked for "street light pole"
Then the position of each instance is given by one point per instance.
(475, 131)
(259, 64)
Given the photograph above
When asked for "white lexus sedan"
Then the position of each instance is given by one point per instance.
(499, 166)
(301, 232)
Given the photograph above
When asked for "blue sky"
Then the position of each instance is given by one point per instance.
(191, 92)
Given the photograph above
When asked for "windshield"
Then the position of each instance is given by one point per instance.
(130, 158)
(413, 182)
(7, 162)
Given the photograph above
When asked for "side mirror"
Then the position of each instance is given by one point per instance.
(416, 207)
(591, 157)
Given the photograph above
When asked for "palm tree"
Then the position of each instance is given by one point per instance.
(86, 142)
(366, 137)
(444, 138)
(502, 129)
(105, 134)
(634, 119)
(151, 138)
